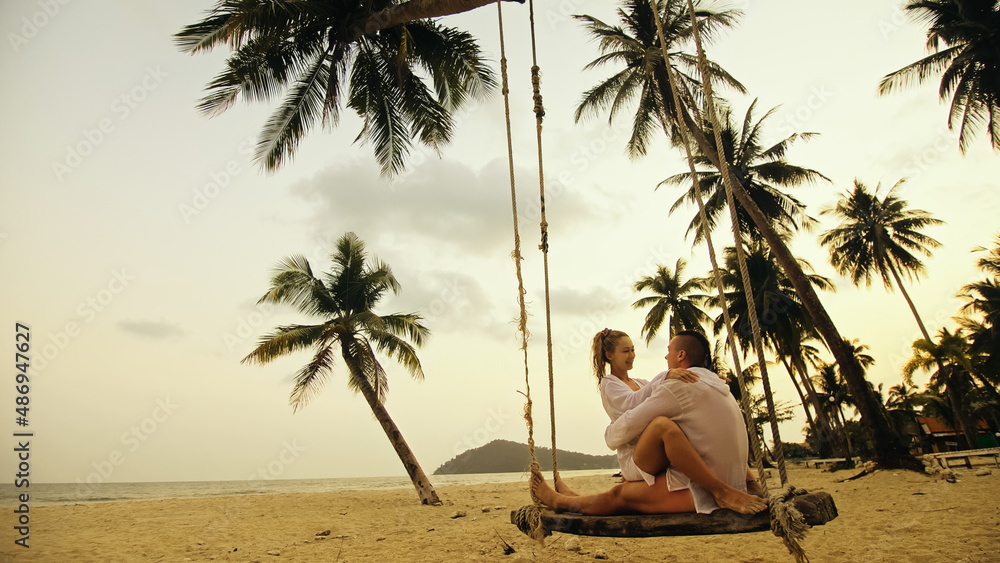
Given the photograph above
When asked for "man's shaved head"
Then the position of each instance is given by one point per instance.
(696, 347)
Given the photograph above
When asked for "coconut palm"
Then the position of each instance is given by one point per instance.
(889, 451)
(964, 36)
(879, 237)
(641, 76)
(950, 355)
(674, 301)
(343, 301)
(760, 169)
(784, 323)
(403, 75)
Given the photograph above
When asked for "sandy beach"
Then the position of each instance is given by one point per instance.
(887, 516)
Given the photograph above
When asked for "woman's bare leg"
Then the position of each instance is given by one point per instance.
(662, 444)
(628, 497)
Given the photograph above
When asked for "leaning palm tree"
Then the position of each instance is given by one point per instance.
(762, 170)
(964, 36)
(344, 301)
(879, 237)
(641, 76)
(402, 74)
(674, 301)
(784, 323)
(890, 452)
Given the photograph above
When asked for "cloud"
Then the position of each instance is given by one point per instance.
(152, 329)
(442, 206)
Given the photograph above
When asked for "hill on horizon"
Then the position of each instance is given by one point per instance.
(505, 456)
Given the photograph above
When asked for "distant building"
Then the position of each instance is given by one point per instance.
(936, 435)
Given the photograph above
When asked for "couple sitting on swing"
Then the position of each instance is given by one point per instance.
(681, 439)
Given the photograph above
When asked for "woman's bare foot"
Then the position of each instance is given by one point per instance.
(562, 488)
(741, 502)
(541, 491)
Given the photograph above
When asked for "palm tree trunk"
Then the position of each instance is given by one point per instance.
(420, 481)
(889, 449)
(805, 407)
(966, 426)
(821, 416)
(412, 11)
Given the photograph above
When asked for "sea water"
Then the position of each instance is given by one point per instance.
(48, 494)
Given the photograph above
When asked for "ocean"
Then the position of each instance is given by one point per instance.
(50, 494)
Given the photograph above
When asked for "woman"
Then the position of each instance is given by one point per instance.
(662, 444)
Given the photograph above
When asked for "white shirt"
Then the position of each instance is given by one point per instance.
(709, 416)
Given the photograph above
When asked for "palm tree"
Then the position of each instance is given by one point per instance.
(642, 76)
(371, 57)
(890, 452)
(964, 36)
(673, 300)
(950, 354)
(345, 299)
(759, 169)
(981, 314)
(879, 236)
(784, 324)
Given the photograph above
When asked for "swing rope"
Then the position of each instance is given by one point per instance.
(755, 445)
(786, 522)
(543, 224)
(522, 325)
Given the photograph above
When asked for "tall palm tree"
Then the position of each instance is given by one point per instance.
(950, 354)
(879, 237)
(634, 47)
(964, 36)
(674, 301)
(784, 324)
(403, 75)
(344, 301)
(761, 170)
(890, 452)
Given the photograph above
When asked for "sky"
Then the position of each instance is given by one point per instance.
(137, 235)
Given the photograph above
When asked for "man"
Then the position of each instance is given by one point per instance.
(710, 418)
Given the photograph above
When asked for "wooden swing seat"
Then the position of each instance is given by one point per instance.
(817, 508)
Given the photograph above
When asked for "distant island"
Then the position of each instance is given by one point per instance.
(504, 456)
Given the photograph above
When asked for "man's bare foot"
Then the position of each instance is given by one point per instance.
(754, 488)
(741, 502)
(562, 488)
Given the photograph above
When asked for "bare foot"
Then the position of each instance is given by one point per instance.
(562, 488)
(741, 502)
(541, 491)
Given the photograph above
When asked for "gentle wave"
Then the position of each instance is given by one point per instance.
(50, 494)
